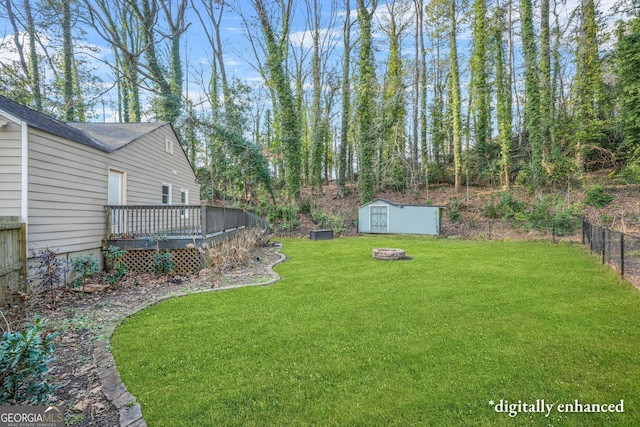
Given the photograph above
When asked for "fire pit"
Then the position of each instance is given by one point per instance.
(388, 253)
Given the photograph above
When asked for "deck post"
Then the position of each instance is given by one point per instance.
(203, 231)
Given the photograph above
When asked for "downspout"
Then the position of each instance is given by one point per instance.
(24, 191)
(24, 196)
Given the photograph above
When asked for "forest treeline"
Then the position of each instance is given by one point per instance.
(397, 94)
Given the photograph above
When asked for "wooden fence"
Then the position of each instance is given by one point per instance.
(13, 256)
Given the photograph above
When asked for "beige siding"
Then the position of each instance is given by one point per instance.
(67, 194)
(148, 166)
(10, 165)
(68, 185)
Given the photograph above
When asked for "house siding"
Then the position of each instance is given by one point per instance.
(68, 184)
(67, 190)
(11, 166)
(144, 178)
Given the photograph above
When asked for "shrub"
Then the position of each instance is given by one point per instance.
(288, 215)
(162, 263)
(118, 268)
(540, 215)
(305, 206)
(507, 207)
(630, 174)
(454, 205)
(564, 223)
(597, 197)
(50, 272)
(24, 364)
(325, 220)
(85, 266)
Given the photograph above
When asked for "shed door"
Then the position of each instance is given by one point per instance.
(379, 219)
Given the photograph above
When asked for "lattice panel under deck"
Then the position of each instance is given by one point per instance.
(141, 260)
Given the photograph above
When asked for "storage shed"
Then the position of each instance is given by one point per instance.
(386, 217)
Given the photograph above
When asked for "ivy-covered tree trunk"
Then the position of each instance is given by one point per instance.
(423, 95)
(456, 119)
(317, 145)
(33, 57)
(503, 100)
(479, 85)
(589, 84)
(532, 93)
(288, 116)
(546, 102)
(395, 112)
(365, 111)
(438, 26)
(346, 101)
(67, 59)
(628, 64)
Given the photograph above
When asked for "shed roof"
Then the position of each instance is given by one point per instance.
(106, 137)
(400, 205)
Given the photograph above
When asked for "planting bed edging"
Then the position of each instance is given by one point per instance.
(113, 387)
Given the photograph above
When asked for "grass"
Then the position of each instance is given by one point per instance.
(348, 340)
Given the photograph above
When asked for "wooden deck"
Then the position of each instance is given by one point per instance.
(173, 227)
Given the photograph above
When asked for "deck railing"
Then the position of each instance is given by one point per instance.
(176, 220)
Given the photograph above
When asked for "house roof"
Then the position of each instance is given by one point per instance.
(106, 137)
(41, 121)
(113, 136)
(400, 205)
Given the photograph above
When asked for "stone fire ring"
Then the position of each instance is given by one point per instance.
(388, 253)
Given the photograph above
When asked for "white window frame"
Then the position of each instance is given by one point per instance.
(169, 201)
(168, 145)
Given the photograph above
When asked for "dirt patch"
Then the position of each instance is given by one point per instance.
(80, 316)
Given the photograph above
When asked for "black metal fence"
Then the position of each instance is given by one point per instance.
(566, 229)
(619, 250)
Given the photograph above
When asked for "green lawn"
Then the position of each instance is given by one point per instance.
(348, 340)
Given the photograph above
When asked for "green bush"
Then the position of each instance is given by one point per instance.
(287, 215)
(597, 197)
(24, 364)
(162, 263)
(85, 266)
(564, 223)
(630, 174)
(506, 208)
(305, 206)
(118, 269)
(324, 220)
(454, 205)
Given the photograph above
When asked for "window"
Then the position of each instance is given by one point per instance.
(166, 194)
(168, 145)
(184, 200)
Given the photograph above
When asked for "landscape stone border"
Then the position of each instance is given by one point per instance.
(388, 254)
(112, 385)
